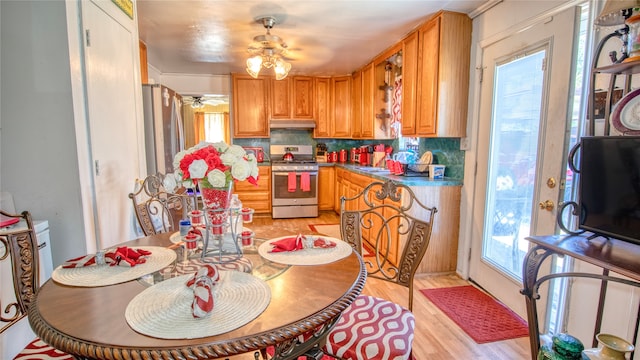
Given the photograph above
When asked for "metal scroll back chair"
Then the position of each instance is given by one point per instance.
(394, 227)
(21, 249)
(156, 209)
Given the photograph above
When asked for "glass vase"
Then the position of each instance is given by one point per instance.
(216, 198)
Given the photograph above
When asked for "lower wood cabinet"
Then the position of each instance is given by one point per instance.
(256, 197)
(326, 187)
(442, 253)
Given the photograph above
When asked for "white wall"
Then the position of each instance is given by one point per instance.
(39, 161)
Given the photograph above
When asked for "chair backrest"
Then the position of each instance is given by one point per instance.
(393, 225)
(21, 249)
(156, 209)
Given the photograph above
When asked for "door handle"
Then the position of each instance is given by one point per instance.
(546, 205)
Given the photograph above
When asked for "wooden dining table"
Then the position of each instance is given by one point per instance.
(90, 323)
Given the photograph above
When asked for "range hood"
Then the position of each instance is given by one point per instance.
(292, 124)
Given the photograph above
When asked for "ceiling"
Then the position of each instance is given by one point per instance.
(323, 37)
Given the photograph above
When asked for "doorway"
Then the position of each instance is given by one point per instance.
(524, 117)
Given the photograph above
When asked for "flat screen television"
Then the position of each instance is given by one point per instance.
(609, 186)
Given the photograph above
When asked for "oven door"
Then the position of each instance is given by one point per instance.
(282, 196)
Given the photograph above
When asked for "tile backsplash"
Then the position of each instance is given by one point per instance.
(446, 151)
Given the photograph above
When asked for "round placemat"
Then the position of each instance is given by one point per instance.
(164, 309)
(316, 256)
(102, 275)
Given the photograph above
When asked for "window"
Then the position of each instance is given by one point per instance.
(214, 127)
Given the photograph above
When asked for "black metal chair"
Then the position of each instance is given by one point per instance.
(21, 248)
(158, 210)
(396, 227)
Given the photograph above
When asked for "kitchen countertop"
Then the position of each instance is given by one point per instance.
(383, 174)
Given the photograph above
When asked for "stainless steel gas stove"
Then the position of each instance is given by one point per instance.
(294, 181)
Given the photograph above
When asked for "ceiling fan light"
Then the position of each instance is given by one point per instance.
(254, 64)
(281, 69)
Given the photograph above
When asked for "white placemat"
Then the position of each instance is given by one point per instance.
(306, 256)
(102, 275)
(164, 310)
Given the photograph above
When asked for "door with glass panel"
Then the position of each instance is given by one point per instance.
(524, 102)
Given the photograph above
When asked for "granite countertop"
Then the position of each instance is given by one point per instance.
(383, 174)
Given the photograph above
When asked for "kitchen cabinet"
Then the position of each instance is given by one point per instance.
(326, 187)
(409, 83)
(292, 98)
(256, 197)
(442, 253)
(341, 106)
(444, 44)
(250, 106)
(356, 104)
(368, 113)
(322, 106)
(337, 122)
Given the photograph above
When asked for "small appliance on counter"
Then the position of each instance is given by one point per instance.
(321, 152)
(257, 151)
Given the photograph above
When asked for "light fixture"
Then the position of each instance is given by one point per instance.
(197, 102)
(267, 52)
(615, 12)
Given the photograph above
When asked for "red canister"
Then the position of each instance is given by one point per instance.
(343, 156)
(352, 155)
(334, 156)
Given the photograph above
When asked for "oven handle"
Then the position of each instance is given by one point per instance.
(278, 173)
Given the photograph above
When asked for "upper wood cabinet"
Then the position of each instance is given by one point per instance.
(368, 112)
(292, 98)
(356, 104)
(250, 106)
(409, 83)
(443, 76)
(322, 111)
(341, 106)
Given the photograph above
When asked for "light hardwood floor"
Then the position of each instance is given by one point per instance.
(436, 336)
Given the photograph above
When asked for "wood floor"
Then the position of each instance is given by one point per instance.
(436, 336)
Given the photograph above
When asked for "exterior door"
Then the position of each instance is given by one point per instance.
(112, 121)
(523, 119)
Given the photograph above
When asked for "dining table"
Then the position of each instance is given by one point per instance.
(300, 302)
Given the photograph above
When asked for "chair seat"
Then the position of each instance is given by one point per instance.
(372, 328)
(38, 349)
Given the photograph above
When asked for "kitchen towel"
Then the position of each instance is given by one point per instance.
(305, 182)
(291, 182)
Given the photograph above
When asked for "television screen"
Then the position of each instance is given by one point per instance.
(609, 187)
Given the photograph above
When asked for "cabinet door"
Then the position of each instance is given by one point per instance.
(368, 113)
(326, 187)
(429, 36)
(250, 106)
(280, 98)
(356, 104)
(409, 83)
(322, 106)
(256, 197)
(302, 97)
(341, 106)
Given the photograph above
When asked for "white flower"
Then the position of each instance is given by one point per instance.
(221, 146)
(217, 178)
(241, 170)
(198, 169)
(237, 150)
(228, 158)
(169, 182)
(178, 158)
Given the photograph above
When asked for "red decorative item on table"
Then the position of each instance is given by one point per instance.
(202, 283)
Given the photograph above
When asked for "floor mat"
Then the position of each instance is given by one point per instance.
(482, 317)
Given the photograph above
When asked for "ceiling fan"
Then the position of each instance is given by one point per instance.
(199, 101)
(268, 51)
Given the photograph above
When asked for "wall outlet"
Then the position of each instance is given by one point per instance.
(465, 143)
